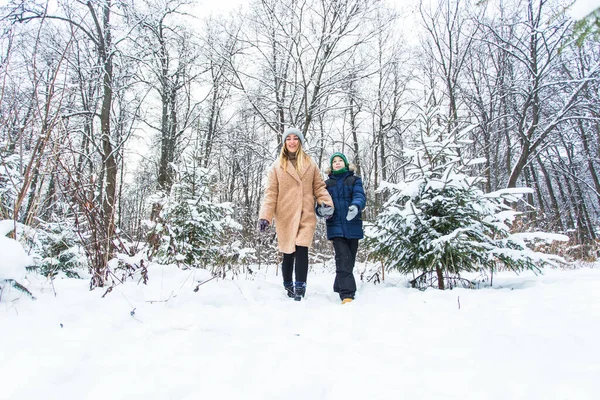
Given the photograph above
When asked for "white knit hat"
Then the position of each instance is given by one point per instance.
(293, 131)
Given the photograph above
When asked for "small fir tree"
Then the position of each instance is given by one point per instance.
(60, 247)
(191, 226)
(439, 224)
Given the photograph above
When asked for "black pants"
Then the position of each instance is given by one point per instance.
(301, 257)
(345, 257)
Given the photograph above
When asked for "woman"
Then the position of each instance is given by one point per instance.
(344, 227)
(294, 183)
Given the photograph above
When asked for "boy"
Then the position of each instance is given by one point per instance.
(344, 225)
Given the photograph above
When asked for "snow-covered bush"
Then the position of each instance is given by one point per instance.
(192, 227)
(10, 180)
(60, 249)
(438, 223)
(14, 262)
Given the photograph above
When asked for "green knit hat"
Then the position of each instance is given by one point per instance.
(340, 155)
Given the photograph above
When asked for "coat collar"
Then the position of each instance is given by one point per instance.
(341, 176)
(297, 175)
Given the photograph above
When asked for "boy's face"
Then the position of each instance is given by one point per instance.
(337, 163)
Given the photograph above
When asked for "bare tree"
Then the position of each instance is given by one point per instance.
(92, 21)
(168, 58)
(450, 35)
(300, 52)
(389, 101)
(534, 44)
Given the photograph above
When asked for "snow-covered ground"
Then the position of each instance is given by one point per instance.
(528, 337)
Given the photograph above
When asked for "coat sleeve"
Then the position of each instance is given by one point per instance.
(358, 194)
(320, 189)
(269, 205)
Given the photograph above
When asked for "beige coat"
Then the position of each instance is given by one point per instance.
(290, 199)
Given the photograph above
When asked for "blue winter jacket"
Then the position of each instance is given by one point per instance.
(344, 196)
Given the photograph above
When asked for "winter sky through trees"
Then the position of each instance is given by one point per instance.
(131, 123)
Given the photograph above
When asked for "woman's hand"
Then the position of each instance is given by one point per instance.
(264, 224)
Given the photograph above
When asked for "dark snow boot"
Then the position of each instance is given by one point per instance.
(289, 289)
(300, 290)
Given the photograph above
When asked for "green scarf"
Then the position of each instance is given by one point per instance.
(343, 157)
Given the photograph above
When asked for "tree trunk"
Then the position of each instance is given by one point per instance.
(556, 220)
(590, 162)
(440, 277)
(570, 223)
(108, 157)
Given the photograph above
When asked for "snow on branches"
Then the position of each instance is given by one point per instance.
(439, 222)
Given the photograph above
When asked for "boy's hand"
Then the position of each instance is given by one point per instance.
(352, 212)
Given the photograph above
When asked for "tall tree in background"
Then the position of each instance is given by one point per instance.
(220, 48)
(300, 52)
(449, 37)
(169, 68)
(92, 22)
(389, 99)
(536, 112)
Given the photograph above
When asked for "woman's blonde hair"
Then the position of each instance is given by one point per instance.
(301, 157)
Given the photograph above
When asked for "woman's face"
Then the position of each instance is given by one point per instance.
(292, 142)
(337, 163)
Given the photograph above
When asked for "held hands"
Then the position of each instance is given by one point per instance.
(352, 212)
(325, 211)
(264, 224)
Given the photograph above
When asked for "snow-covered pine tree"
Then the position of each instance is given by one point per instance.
(59, 246)
(10, 181)
(191, 225)
(438, 223)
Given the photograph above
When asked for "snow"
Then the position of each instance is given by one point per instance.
(6, 227)
(13, 258)
(527, 337)
(518, 191)
(541, 236)
(581, 8)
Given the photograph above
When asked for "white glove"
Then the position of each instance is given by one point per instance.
(325, 211)
(352, 212)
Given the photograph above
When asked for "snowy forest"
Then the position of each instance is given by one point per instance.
(138, 132)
